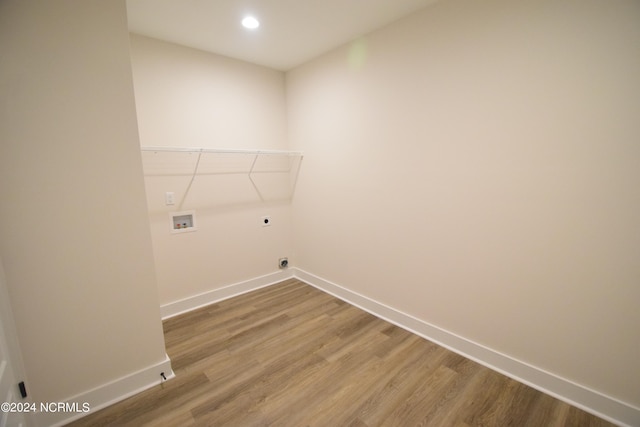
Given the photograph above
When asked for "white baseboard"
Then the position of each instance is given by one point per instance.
(191, 303)
(108, 394)
(592, 401)
(589, 400)
(122, 388)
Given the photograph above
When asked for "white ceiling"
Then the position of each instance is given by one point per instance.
(290, 33)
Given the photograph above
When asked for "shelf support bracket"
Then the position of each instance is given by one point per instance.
(193, 177)
(255, 186)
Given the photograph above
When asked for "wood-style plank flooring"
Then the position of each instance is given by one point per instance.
(291, 355)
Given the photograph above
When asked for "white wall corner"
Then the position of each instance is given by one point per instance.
(107, 394)
(592, 401)
(191, 303)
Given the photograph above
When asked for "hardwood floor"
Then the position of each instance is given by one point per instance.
(291, 355)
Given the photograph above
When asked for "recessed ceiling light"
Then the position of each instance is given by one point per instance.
(250, 22)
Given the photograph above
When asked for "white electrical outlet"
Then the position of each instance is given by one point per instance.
(170, 198)
(265, 221)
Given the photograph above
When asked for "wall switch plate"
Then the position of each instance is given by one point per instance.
(265, 221)
(169, 198)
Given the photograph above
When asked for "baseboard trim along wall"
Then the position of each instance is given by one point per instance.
(191, 303)
(592, 401)
(589, 400)
(106, 394)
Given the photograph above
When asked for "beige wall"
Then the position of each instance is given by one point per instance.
(476, 165)
(190, 98)
(74, 234)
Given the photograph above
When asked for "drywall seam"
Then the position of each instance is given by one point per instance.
(589, 400)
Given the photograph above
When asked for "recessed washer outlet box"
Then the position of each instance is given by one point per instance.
(183, 222)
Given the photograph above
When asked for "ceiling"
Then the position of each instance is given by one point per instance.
(291, 31)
